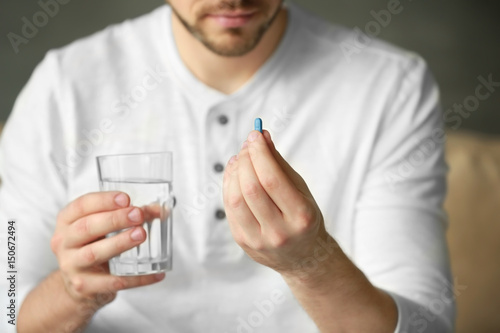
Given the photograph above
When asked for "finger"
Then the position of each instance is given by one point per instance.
(89, 228)
(273, 178)
(92, 203)
(227, 173)
(106, 285)
(243, 225)
(292, 174)
(155, 211)
(128, 282)
(258, 201)
(101, 251)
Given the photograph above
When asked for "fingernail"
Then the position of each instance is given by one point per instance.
(232, 159)
(121, 200)
(136, 234)
(160, 276)
(134, 215)
(244, 145)
(252, 136)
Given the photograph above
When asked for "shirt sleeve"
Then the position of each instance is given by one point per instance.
(32, 189)
(400, 225)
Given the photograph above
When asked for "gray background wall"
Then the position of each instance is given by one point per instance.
(460, 40)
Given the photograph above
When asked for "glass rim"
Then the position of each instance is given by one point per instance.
(135, 154)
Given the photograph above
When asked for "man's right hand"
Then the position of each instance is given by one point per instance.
(83, 251)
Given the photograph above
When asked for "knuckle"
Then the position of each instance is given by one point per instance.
(65, 265)
(78, 207)
(277, 240)
(89, 255)
(235, 201)
(122, 242)
(270, 182)
(82, 226)
(77, 284)
(76, 289)
(250, 189)
(55, 242)
(239, 239)
(118, 283)
(115, 221)
(304, 218)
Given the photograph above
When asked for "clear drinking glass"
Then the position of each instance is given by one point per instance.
(147, 179)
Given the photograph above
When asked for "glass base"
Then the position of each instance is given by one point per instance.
(121, 268)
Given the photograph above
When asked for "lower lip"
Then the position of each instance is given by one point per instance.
(231, 21)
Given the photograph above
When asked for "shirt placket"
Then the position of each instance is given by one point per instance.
(220, 145)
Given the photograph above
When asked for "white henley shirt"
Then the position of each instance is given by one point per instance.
(364, 131)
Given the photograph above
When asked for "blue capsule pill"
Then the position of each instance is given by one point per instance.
(258, 124)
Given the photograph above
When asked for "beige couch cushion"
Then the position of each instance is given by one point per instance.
(473, 205)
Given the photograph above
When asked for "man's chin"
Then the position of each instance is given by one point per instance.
(229, 50)
(231, 45)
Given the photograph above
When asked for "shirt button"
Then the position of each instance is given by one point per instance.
(220, 214)
(218, 167)
(223, 119)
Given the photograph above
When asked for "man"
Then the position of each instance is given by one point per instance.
(333, 225)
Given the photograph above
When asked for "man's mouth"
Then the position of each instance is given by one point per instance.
(232, 19)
